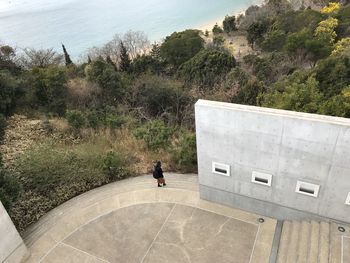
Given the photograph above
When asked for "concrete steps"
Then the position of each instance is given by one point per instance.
(305, 242)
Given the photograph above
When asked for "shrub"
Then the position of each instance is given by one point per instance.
(217, 30)
(207, 67)
(9, 187)
(52, 174)
(93, 119)
(155, 133)
(184, 154)
(49, 88)
(76, 119)
(3, 125)
(113, 165)
(114, 121)
(181, 46)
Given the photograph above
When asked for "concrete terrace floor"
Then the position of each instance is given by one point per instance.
(135, 221)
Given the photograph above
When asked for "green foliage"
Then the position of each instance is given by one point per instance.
(114, 121)
(218, 41)
(156, 134)
(8, 59)
(295, 94)
(76, 119)
(49, 89)
(56, 173)
(124, 58)
(93, 119)
(333, 75)
(181, 46)
(229, 24)
(269, 68)
(249, 92)
(207, 67)
(147, 64)
(114, 166)
(274, 40)
(3, 125)
(217, 29)
(66, 56)
(343, 29)
(160, 97)
(184, 153)
(256, 31)
(105, 75)
(9, 89)
(294, 21)
(9, 187)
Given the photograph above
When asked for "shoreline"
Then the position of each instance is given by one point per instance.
(209, 25)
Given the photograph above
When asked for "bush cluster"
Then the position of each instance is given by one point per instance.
(56, 173)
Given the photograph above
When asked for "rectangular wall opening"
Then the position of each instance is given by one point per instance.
(307, 188)
(347, 202)
(220, 168)
(261, 178)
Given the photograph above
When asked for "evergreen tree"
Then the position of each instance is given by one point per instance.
(109, 61)
(66, 56)
(124, 58)
(89, 60)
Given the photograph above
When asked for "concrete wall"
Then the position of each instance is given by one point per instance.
(288, 145)
(12, 248)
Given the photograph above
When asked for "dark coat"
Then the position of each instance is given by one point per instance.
(159, 171)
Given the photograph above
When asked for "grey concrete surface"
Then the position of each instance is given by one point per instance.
(288, 145)
(12, 248)
(346, 249)
(163, 232)
(135, 221)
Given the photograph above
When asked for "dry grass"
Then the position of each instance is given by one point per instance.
(124, 141)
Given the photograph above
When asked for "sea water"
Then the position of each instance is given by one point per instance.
(81, 24)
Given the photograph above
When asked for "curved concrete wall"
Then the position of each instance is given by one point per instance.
(290, 146)
(12, 248)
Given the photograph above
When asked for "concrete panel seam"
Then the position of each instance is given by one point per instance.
(255, 240)
(160, 230)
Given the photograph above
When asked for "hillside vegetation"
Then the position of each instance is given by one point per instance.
(67, 127)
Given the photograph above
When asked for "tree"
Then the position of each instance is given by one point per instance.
(333, 74)
(256, 32)
(66, 56)
(326, 30)
(107, 78)
(274, 40)
(158, 96)
(218, 41)
(217, 30)
(249, 92)
(207, 67)
(9, 91)
(124, 58)
(7, 59)
(301, 96)
(41, 58)
(331, 8)
(229, 24)
(181, 46)
(49, 89)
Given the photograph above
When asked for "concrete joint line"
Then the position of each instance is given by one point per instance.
(342, 248)
(255, 241)
(160, 230)
(64, 244)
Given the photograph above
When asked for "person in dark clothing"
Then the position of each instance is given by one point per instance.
(159, 172)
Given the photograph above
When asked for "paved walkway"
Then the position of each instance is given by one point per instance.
(135, 221)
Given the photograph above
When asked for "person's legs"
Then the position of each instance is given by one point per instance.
(159, 182)
(163, 181)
